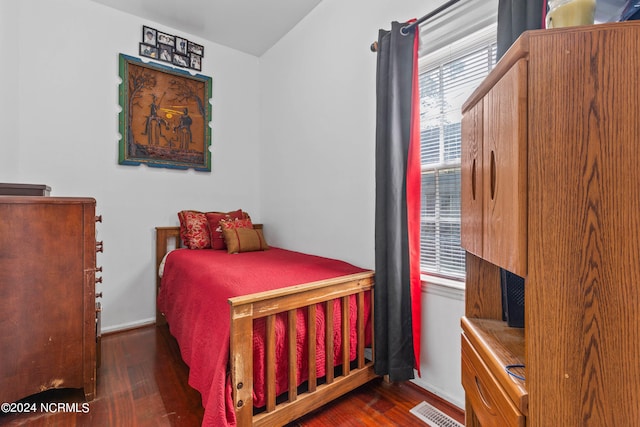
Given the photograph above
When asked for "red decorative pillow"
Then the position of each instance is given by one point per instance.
(194, 230)
(233, 223)
(183, 224)
(240, 236)
(215, 230)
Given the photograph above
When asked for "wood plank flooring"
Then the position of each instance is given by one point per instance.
(143, 382)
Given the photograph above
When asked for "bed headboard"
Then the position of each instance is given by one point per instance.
(169, 237)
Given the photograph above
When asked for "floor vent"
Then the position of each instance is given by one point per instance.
(433, 416)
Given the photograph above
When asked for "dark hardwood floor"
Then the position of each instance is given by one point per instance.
(143, 382)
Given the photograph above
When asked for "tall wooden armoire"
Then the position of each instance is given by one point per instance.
(551, 192)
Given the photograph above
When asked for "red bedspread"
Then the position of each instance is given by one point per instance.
(196, 285)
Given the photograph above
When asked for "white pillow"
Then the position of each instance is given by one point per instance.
(161, 267)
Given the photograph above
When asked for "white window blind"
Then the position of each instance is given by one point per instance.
(447, 78)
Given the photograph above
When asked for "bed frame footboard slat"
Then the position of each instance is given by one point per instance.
(346, 337)
(293, 355)
(270, 363)
(360, 330)
(311, 345)
(328, 346)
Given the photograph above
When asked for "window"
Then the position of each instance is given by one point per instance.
(447, 78)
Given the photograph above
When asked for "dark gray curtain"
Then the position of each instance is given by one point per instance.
(515, 17)
(394, 351)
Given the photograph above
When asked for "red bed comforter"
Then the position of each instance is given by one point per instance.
(196, 285)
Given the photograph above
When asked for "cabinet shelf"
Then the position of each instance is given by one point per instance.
(499, 346)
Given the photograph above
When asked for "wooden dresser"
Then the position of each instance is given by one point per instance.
(551, 192)
(47, 295)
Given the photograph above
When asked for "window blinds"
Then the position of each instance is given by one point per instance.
(446, 81)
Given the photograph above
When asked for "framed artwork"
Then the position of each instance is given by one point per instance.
(148, 51)
(167, 39)
(149, 35)
(180, 60)
(165, 116)
(165, 52)
(196, 62)
(181, 45)
(195, 48)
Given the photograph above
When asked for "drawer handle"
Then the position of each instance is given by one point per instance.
(473, 179)
(483, 398)
(99, 246)
(493, 175)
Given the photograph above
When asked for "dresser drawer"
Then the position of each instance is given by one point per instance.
(491, 404)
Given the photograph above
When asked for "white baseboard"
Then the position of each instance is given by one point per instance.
(440, 393)
(130, 325)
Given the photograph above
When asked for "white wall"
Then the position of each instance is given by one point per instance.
(9, 83)
(442, 308)
(67, 115)
(318, 118)
(318, 133)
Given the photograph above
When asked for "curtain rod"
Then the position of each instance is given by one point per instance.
(405, 30)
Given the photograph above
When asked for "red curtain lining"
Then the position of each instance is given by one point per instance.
(413, 208)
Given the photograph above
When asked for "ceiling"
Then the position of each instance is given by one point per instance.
(250, 26)
(246, 25)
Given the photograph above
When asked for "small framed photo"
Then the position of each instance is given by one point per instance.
(180, 60)
(167, 39)
(196, 48)
(149, 35)
(165, 52)
(181, 45)
(148, 51)
(196, 62)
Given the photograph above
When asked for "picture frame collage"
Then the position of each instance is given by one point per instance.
(171, 48)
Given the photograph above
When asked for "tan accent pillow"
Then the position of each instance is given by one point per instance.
(240, 236)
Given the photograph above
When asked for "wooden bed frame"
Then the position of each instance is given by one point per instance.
(245, 309)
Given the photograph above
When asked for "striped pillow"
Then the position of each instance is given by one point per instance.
(240, 236)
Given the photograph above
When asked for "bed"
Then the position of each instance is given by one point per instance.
(239, 339)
